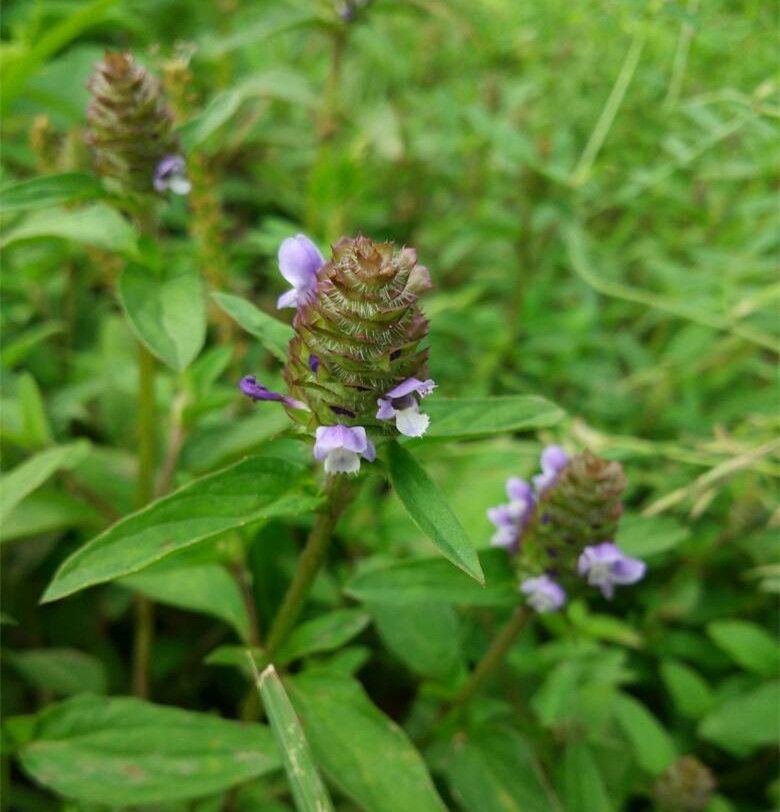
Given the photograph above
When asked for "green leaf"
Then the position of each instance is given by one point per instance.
(454, 418)
(652, 745)
(218, 111)
(325, 633)
(747, 644)
(167, 310)
(363, 752)
(645, 536)
(425, 636)
(254, 489)
(583, 786)
(98, 225)
(603, 627)
(63, 671)
(16, 349)
(123, 751)
(495, 770)
(32, 473)
(205, 588)
(690, 693)
(273, 334)
(307, 788)
(36, 426)
(48, 511)
(54, 37)
(431, 579)
(49, 190)
(430, 512)
(745, 723)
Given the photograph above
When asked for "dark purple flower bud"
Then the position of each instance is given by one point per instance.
(252, 389)
(314, 363)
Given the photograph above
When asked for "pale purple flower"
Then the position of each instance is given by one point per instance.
(171, 173)
(544, 595)
(299, 262)
(553, 460)
(341, 447)
(606, 565)
(252, 389)
(511, 519)
(402, 403)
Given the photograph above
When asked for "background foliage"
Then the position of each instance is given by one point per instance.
(592, 185)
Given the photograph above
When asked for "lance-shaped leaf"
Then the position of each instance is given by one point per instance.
(122, 751)
(273, 334)
(49, 190)
(430, 512)
(453, 418)
(32, 473)
(307, 788)
(98, 225)
(363, 752)
(254, 489)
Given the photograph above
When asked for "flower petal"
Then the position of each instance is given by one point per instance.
(342, 461)
(299, 261)
(518, 490)
(422, 388)
(385, 410)
(411, 423)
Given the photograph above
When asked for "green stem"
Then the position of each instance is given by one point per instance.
(337, 495)
(492, 658)
(142, 645)
(144, 610)
(611, 107)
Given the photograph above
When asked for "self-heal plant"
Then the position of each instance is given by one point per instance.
(355, 365)
(357, 346)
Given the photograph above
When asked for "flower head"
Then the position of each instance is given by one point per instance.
(299, 262)
(171, 173)
(130, 130)
(341, 447)
(606, 565)
(544, 595)
(553, 460)
(400, 403)
(252, 389)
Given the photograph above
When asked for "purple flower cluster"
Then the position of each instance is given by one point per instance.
(511, 519)
(340, 447)
(604, 565)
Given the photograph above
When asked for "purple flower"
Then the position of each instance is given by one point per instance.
(511, 519)
(400, 403)
(299, 262)
(607, 565)
(252, 389)
(544, 594)
(553, 460)
(341, 447)
(171, 173)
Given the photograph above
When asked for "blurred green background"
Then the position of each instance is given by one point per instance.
(593, 186)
